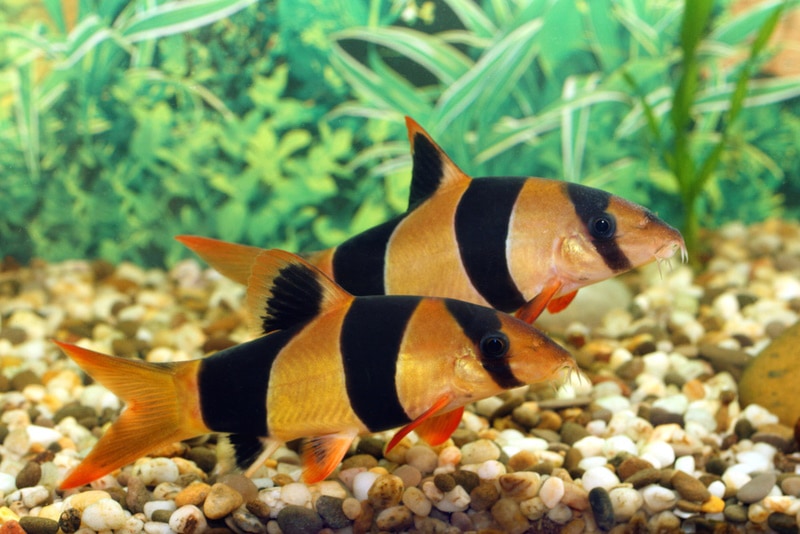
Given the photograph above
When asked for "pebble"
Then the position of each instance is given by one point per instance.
(423, 458)
(602, 508)
(552, 491)
(386, 492)
(599, 477)
(484, 496)
(330, 509)
(362, 483)
(757, 488)
(195, 493)
(296, 493)
(394, 519)
(221, 501)
(658, 498)
(38, 525)
(188, 519)
(508, 515)
(520, 486)
(417, 502)
(625, 502)
(299, 520)
(479, 451)
(105, 514)
(688, 487)
(29, 475)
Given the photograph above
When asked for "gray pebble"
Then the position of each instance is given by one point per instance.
(659, 416)
(246, 522)
(24, 378)
(161, 516)
(775, 329)
(782, 523)
(371, 445)
(744, 429)
(330, 508)
(38, 525)
(721, 357)
(571, 432)
(758, 488)
(295, 519)
(602, 508)
(735, 513)
(76, 410)
(137, 495)
(644, 477)
(14, 334)
(29, 475)
(783, 444)
(716, 466)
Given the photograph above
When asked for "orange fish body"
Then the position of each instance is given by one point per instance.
(327, 366)
(512, 243)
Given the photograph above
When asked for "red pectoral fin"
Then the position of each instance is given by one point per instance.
(322, 454)
(534, 308)
(556, 305)
(429, 413)
(435, 430)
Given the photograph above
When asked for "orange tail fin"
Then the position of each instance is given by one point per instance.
(162, 407)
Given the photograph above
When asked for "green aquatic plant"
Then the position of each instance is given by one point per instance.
(693, 167)
(559, 89)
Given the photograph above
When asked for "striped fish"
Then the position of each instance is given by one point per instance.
(327, 367)
(512, 243)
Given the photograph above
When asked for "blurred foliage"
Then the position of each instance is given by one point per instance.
(126, 122)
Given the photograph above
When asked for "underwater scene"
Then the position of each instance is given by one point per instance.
(436, 266)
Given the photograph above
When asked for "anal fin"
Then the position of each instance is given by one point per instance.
(435, 430)
(321, 455)
(558, 304)
(432, 427)
(531, 311)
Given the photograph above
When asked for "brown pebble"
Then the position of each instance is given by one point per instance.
(689, 488)
(483, 496)
(467, 480)
(549, 420)
(507, 513)
(385, 492)
(522, 461)
(195, 493)
(644, 477)
(631, 466)
(24, 378)
(689, 506)
(29, 475)
(259, 508)
(221, 500)
(444, 482)
(366, 461)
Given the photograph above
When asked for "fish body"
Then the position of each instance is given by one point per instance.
(327, 366)
(513, 243)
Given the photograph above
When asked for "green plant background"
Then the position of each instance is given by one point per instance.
(124, 123)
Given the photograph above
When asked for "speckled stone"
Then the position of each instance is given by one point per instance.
(385, 492)
(221, 500)
(444, 482)
(330, 508)
(394, 519)
(38, 525)
(299, 520)
(603, 510)
(483, 496)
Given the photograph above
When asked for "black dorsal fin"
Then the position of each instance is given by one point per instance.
(432, 168)
(284, 291)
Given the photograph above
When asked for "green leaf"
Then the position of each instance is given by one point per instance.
(175, 17)
(231, 218)
(473, 18)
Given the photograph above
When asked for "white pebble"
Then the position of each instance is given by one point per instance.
(153, 527)
(717, 488)
(152, 506)
(614, 403)
(599, 477)
(726, 306)
(735, 477)
(534, 508)
(609, 388)
(34, 496)
(589, 446)
(487, 406)
(362, 483)
(560, 514)
(491, 470)
(479, 451)
(592, 461)
(625, 501)
(658, 498)
(156, 470)
(455, 500)
(656, 364)
(43, 435)
(188, 518)
(673, 403)
(660, 454)
(296, 493)
(685, 464)
(8, 483)
(754, 461)
(552, 491)
(105, 514)
(701, 416)
(619, 444)
(596, 427)
(759, 415)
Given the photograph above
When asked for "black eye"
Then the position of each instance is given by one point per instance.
(494, 345)
(603, 227)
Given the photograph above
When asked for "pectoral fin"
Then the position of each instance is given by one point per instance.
(432, 428)
(435, 430)
(534, 308)
(558, 304)
(321, 455)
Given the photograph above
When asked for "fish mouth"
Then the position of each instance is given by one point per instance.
(665, 253)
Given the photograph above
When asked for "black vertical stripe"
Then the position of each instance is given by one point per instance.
(233, 384)
(476, 322)
(590, 203)
(481, 223)
(359, 262)
(296, 298)
(426, 172)
(371, 336)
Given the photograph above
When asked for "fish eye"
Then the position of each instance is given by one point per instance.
(603, 227)
(494, 345)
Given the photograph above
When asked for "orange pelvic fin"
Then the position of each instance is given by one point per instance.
(162, 407)
(435, 430)
(321, 455)
(429, 413)
(531, 311)
(230, 259)
(558, 304)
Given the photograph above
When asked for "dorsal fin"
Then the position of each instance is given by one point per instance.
(284, 291)
(230, 259)
(432, 168)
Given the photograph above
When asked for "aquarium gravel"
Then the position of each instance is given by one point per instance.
(652, 437)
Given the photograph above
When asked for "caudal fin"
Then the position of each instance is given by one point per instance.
(231, 259)
(162, 407)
